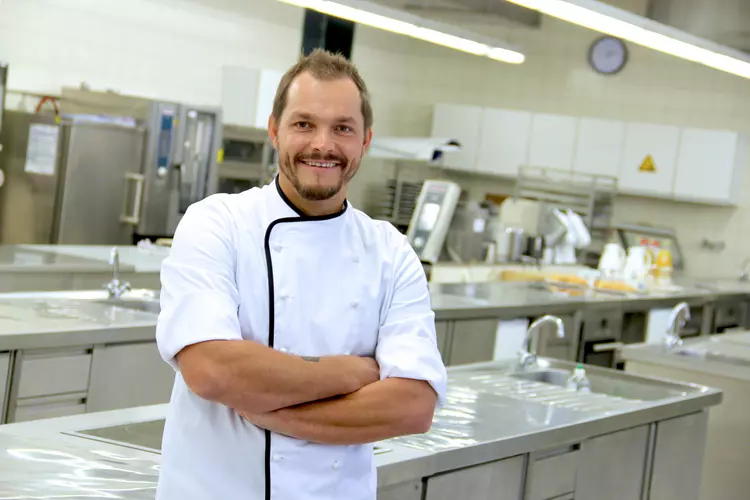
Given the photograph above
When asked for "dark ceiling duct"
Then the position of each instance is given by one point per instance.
(723, 21)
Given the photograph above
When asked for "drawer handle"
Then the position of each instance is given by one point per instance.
(611, 346)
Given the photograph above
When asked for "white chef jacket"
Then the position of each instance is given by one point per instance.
(251, 266)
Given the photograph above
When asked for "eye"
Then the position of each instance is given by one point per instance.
(344, 128)
(302, 125)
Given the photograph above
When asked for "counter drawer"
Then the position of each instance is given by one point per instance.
(553, 474)
(44, 373)
(49, 407)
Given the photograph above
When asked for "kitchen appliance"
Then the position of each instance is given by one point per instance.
(471, 233)
(249, 159)
(655, 237)
(612, 261)
(432, 217)
(66, 180)
(179, 167)
(637, 266)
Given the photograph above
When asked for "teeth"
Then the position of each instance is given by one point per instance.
(322, 164)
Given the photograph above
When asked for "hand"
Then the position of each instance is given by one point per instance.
(365, 371)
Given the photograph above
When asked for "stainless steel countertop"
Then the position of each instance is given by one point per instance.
(132, 258)
(489, 416)
(517, 299)
(22, 259)
(728, 355)
(49, 323)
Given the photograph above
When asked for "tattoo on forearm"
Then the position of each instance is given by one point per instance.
(312, 359)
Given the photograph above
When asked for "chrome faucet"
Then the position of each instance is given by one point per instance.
(677, 319)
(743, 270)
(528, 356)
(116, 287)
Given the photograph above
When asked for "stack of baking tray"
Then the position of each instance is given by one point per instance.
(395, 202)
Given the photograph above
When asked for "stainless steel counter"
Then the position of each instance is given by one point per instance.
(21, 259)
(490, 415)
(50, 323)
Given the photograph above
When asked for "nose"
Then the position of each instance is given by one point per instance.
(322, 140)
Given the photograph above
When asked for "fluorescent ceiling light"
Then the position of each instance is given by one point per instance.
(604, 18)
(396, 21)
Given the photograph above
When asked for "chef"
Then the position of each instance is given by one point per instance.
(299, 328)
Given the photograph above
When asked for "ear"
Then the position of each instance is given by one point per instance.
(273, 131)
(367, 141)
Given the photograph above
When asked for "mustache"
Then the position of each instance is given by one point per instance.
(321, 157)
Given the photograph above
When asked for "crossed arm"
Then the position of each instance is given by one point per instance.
(333, 400)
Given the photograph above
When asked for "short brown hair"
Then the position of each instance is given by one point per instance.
(323, 65)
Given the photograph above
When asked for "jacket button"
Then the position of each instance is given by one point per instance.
(277, 248)
(336, 465)
(283, 349)
(355, 304)
(276, 457)
(283, 295)
(355, 258)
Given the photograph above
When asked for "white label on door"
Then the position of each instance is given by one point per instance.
(41, 154)
(478, 225)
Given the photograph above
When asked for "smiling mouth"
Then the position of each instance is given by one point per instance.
(321, 164)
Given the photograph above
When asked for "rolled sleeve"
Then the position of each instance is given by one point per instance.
(407, 342)
(199, 296)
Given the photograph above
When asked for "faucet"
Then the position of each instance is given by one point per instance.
(677, 319)
(116, 287)
(527, 357)
(743, 270)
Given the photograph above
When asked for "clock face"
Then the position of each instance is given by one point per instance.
(608, 55)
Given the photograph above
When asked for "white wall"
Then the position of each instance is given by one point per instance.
(175, 49)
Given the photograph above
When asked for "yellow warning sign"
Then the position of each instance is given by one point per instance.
(648, 165)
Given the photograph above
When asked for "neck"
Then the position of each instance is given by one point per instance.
(312, 208)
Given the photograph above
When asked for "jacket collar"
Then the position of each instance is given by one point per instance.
(301, 214)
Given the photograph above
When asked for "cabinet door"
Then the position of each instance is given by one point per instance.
(553, 141)
(127, 375)
(454, 121)
(708, 167)
(599, 146)
(642, 140)
(473, 340)
(504, 142)
(678, 458)
(4, 367)
(612, 466)
(502, 480)
(405, 491)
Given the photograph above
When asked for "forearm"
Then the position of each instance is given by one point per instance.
(385, 409)
(249, 376)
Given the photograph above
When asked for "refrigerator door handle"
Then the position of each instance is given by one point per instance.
(135, 216)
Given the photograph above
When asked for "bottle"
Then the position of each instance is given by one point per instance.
(578, 381)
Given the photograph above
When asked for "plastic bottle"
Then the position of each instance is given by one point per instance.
(578, 381)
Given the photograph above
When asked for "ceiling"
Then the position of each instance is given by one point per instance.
(723, 21)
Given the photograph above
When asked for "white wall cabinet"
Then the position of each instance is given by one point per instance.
(709, 166)
(553, 141)
(247, 95)
(661, 143)
(599, 146)
(504, 141)
(463, 123)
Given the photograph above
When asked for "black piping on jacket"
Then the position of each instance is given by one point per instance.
(271, 294)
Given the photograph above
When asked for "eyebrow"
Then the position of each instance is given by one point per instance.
(308, 116)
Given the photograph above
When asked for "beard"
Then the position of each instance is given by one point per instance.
(316, 192)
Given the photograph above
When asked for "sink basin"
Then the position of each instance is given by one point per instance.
(137, 299)
(610, 384)
(554, 377)
(151, 306)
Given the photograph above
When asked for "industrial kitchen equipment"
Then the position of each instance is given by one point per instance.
(110, 169)
(249, 159)
(654, 238)
(432, 218)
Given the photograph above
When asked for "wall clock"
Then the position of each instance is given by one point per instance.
(608, 55)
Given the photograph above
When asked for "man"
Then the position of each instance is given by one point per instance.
(300, 329)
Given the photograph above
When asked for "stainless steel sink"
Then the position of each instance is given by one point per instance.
(138, 299)
(607, 382)
(554, 377)
(151, 306)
